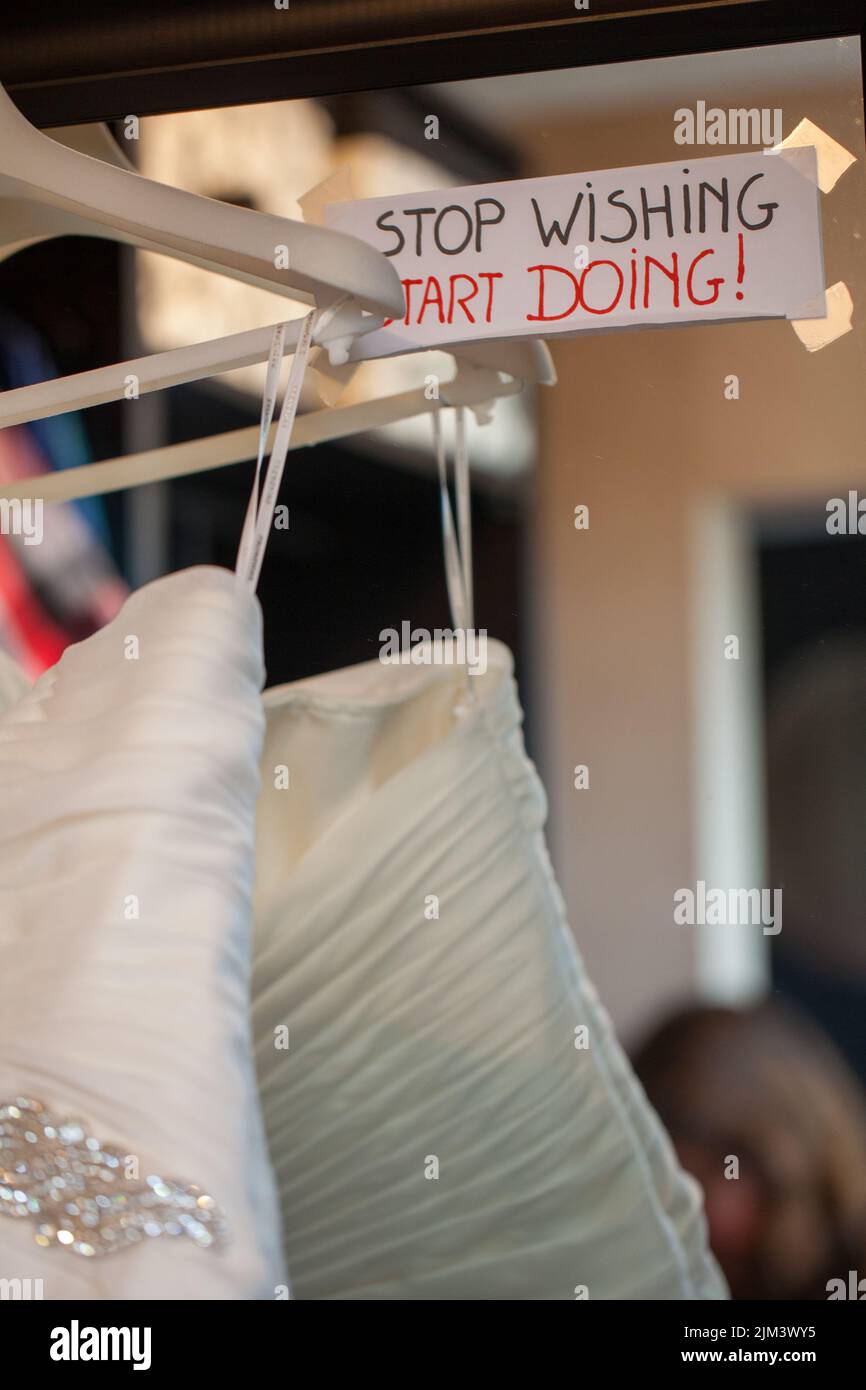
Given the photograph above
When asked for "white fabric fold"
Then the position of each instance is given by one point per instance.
(435, 1132)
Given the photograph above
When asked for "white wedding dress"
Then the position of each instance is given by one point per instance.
(453, 1117)
(448, 1113)
(128, 779)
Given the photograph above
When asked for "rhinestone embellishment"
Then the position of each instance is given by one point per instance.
(76, 1190)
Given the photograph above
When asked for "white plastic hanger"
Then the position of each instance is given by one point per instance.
(23, 222)
(159, 370)
(527, 359)
(472, 386)
(38, 206)
(56, 190)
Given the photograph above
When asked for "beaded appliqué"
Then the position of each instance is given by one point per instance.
(74, 1188)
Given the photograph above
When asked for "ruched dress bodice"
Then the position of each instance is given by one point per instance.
(448, 1111)
(128, 780)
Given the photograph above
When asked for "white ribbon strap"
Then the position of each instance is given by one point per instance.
(454, 565)
(464, 509)
(278, 345)
(260, 509)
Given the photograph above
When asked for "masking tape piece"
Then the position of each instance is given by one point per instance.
(815, 334)
(833, 158)
(802, 158)
(336, 188)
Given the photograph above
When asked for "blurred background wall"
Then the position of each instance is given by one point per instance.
(627, 620)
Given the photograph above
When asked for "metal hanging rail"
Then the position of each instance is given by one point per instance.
(97, 60)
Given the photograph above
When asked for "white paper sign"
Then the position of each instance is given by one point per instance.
(733, 237)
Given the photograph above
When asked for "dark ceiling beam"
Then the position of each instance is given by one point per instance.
(67, 61)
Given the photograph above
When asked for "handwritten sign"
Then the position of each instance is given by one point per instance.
(734, 237)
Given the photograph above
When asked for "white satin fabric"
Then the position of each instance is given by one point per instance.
(128, 776)
(435, 1131)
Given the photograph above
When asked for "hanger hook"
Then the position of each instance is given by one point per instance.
(338, 348)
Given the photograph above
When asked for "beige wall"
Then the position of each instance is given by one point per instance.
(638, 429)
